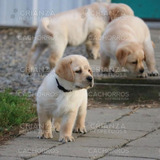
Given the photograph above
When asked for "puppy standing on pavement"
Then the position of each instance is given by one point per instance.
(85, 24)
(62, 97)
(127, 40)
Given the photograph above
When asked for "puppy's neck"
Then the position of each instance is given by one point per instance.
(66, 84)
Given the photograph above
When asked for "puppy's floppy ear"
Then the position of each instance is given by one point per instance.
(64, 70)
(121, 55)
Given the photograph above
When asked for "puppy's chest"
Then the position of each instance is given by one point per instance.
(67, 102)
(69, 99)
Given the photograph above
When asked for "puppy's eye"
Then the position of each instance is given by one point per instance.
(134, 62)
(89, 71)
(79, 71)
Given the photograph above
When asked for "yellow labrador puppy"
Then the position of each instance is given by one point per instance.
(85, 24)
(62, 97)
(127, 40)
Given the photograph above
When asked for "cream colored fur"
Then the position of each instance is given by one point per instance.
(66, 109)
(127, 40)
(74, 27)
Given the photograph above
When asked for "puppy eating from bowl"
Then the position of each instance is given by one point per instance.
(62, 98)
(127, 40)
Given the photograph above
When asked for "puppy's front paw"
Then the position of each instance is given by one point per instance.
(46, 135)
(143, 75)
(65, 139)
(153, 74)
(80, 130)
(29, 70)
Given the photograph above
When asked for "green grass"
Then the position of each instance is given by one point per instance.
(14, 110)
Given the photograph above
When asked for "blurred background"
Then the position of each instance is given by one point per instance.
(29, 12)
(18, 22)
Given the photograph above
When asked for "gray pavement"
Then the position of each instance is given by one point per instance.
(113, 134)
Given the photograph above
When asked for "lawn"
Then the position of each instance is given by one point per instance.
(14, 111)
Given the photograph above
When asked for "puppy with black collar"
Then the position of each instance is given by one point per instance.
(62, 97)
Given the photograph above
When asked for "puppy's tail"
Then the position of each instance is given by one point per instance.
(44, 26)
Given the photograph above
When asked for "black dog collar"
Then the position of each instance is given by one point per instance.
(61, 87)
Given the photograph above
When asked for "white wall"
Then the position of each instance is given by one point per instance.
(29, 12)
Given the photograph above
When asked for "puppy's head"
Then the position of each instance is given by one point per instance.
(131, 56)
(75, 69)
(118, 10)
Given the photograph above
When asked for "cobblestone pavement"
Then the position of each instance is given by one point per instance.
(113, 134)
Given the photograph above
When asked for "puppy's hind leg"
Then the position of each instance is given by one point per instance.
(92, 44)
(33, 55)
(150, 58)
(55, 54)
(105, 62)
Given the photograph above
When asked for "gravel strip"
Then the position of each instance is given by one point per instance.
(14, 46)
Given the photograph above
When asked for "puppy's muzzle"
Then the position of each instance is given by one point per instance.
(141, 70)
(90, 80)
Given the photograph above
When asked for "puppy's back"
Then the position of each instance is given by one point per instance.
(133, 22)
(127, 28)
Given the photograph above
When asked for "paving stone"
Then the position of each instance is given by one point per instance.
(98, 116)
(142, 118)
(146, 142)
(26, 147)
(155, 134)
(150, 112)
(87, 147)
(124, 158)
(115, 134)
(10, 158)
(96, 142)
(78, 151)
(137, 126)
(50, 157)
(143, 152)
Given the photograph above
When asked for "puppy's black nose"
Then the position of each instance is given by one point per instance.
(141, 70)
(89, 78)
